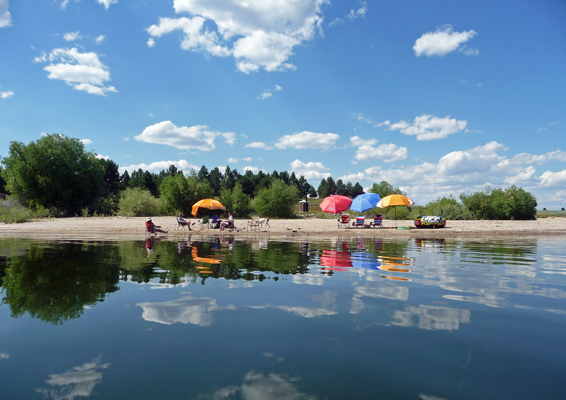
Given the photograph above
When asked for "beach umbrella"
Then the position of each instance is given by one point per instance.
(211, 204)
(335, 260)
(335, 204)
(395, 200)
(365, 202)
(362, 259)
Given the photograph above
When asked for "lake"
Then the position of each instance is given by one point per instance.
(285, 318)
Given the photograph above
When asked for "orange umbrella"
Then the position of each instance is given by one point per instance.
(211, 204)
(395, 200)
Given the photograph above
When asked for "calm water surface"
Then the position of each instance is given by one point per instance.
(220, 318)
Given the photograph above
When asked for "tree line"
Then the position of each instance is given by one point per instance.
(56, 176)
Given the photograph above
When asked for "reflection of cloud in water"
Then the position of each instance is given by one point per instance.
(185, 310)
(357, 305)
(432, 318)
(79, 381)
(492, 299)
(256, 386)
(240, 285)
(386, 291)
(4, 356)
(308, 280)
(429, 397)
(309, 312)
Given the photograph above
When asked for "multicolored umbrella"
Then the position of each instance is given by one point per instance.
(211, 204)
(365, 202)
(335, 204)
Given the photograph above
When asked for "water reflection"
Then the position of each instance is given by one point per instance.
(77, 382)
(186, 310)
(431, 317)
(257, 386)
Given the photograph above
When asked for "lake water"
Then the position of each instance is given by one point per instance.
(340, 318)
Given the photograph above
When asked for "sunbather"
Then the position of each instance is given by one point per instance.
(227, 224)
(152, 228)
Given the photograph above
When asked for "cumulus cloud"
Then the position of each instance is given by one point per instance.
(443, 41)
(357, 141)
(185, 138)
(268, 93)
(82, 71)
(259, 145)
(159, 166)
(5, 16)
(385, 152)
(106, 3)
(72, 36)
(310, 170)
(429, 127)
(100, 39)
(232, 160)
(255, 170)
(86, 141)
(6, 95)
(553, 179)
(257, 34)
(308, 140)
(101, 157)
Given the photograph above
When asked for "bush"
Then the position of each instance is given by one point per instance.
(11, 211)
(277, 201)
(447, 207)
(504, 204)
(138, 202)
(236, 201)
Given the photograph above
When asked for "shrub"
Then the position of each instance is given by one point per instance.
(447, 207)
(277, 200)
(138, 202)
(11, 211)
(236, 201)
(505, 204)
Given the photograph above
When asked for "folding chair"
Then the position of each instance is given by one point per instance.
(254, 223)
(343, 220)
(360, 219)
(204, 223)
(377, 222)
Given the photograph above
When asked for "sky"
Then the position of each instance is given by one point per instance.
(437, 98)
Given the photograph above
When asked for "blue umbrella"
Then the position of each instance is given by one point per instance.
(365, 202)
(365, 260)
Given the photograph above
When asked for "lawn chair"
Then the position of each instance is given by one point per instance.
(214, 223)
(360, 220)
(205, 223)
(343, 220)
(377, 222)
(254, 223)
(182, 224)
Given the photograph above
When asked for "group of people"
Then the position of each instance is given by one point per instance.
(152, 228)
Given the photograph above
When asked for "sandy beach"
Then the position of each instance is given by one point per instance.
(122, 227)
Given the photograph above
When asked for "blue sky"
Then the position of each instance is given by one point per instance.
(435, 97)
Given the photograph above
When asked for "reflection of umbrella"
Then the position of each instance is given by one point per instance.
(211, 204)
(395, 200)
(208, 260)
(364, 260)
(365, 202)
(331, 258)
(335, 204)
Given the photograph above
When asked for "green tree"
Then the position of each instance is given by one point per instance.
(54, 171)
(236, 201)
(312, 192)
(385, 189)
(277, 201)
(323, 190)
(176, 195)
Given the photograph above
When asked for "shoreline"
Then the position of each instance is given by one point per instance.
(134, 227)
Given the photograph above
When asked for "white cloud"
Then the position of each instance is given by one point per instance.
(429, 127)
(247, 159)
(72, 36)
(310, 170)
(265, 95)
(443, 41)
(259, 145)
(86, 141)
(255, 170)
(353, 14)
(232, 160)
(151, 42)
(357, 141)
(159, 166)
(106, 3)
(4, 356)
(553, 178)
(6, 95)
(82, 71)
(256, 33)
(308, 140)
(522, 177)
(385, 152)
(5, 16)
(100, 39)
(101, 157)
(185, 138)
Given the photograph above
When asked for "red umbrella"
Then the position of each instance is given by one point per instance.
(331, 258)
(335, 204)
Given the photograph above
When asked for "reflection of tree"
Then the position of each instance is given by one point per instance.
(55, 283)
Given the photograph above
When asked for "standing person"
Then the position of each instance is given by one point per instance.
(227, 224)
(152, 228)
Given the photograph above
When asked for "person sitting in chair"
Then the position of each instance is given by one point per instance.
(182, 221)
(152, 228)
(227, 224)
